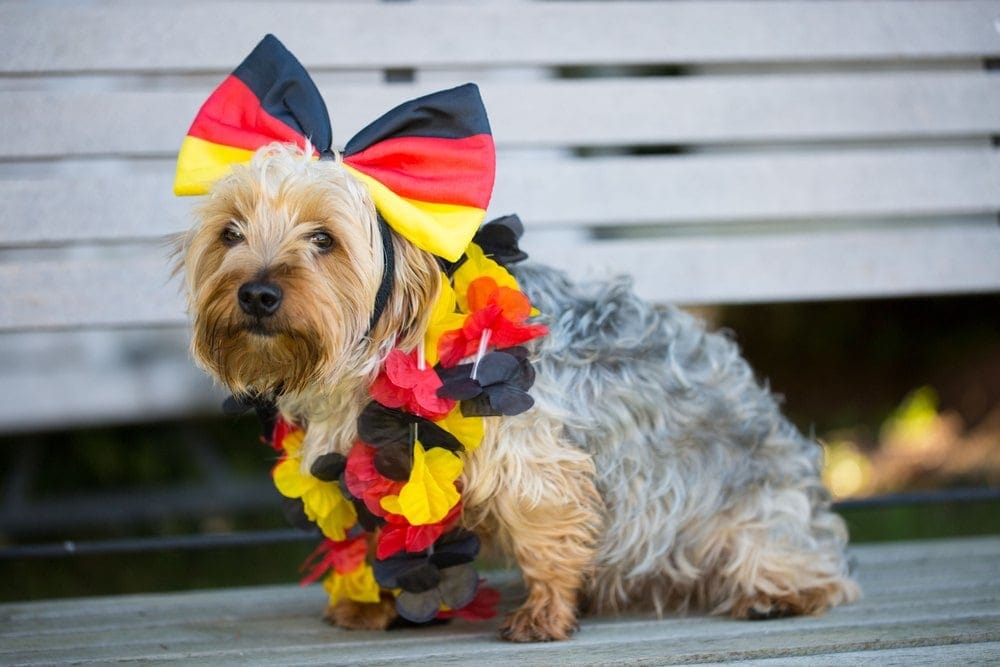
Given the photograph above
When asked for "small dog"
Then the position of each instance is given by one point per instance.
(653, 470)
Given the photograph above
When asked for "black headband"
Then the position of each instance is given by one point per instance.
(388, 271)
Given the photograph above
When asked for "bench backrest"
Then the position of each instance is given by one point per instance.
(719, 152)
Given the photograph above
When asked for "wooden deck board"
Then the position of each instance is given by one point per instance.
(925, 603)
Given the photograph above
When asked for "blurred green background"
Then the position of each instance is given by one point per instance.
(905, 394)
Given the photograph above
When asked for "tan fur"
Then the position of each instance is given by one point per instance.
(362, 616)
(527, 487)
(534, 494)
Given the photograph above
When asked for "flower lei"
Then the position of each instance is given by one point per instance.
(402, 475)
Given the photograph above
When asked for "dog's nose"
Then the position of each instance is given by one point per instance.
(258, 298)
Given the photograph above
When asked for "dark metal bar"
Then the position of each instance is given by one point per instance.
(920, 498)
(290, 535)
(135, 545)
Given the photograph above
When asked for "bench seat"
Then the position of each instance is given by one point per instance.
(929, 602)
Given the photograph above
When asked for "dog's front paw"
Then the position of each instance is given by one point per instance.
(352, 615)
(529, 625)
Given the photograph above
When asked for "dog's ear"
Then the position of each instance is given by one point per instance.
(415, 288)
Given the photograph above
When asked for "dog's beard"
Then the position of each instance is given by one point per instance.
(251, 363)
(286, 352)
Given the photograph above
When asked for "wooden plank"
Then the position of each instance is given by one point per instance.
(688, 189)
(133, 289)
(279, 625)
(653, 642)
(120, 290)
(805, 265)
(984, 653)
(661, 111)
(753, 186)
(73, 379)
(184, 36)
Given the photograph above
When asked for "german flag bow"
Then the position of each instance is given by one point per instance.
(429, 163)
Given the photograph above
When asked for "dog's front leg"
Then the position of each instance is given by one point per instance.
(553, 544)
(536, 493)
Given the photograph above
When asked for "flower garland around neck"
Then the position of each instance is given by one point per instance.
(402, 476)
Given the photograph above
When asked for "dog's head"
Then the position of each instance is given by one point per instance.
(282, 270)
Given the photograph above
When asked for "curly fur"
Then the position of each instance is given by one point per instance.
(713, 498)
(654, 469)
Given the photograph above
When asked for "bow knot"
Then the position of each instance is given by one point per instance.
(428, 164)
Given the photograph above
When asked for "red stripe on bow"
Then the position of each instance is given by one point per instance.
(432, 169)
(233, 116)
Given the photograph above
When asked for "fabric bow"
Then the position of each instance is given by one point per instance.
(429, 164)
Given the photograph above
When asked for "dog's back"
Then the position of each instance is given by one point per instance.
(712, 497)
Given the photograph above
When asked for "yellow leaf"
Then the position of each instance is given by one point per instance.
(443, 318)
(292, 442)
(391, 504)
(468, 430)
(339, 517)
(359, 585)
(430, 494)
(290, 481)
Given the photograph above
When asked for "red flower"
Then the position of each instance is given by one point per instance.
(398, 534)
(344, 557)
(281, 429)
(483, 607)
(501, 310)
(403, 384)
(365, 482)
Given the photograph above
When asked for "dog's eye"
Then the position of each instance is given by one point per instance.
(232, 236)
(322, 241)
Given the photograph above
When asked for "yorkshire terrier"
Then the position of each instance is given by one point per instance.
(654, 470)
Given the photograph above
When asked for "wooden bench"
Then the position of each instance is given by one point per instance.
(720, 152)
(927, 603)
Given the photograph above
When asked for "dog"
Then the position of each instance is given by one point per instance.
(654, 470)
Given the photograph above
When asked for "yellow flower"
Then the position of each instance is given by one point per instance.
(443, 318)
(323, 502)
(335, 523)
(475, 266)
(468, 430)
(430, 494)
(292, 443)
(359, 585)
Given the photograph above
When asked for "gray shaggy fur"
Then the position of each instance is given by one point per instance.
(697, 467)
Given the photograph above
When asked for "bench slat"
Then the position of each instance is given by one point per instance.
(688, 189)
(134, 290)
(765, 186)
(171, 36)
(280, 625)
(76, 378)
(795, 265)
(81, 395)
(689, 110)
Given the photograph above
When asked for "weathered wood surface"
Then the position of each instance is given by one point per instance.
(934, 602)
(113, 36)
(706, 148)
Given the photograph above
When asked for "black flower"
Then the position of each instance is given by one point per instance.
(498, 239)
(499, 388)
(442, 574)
(392, 432)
